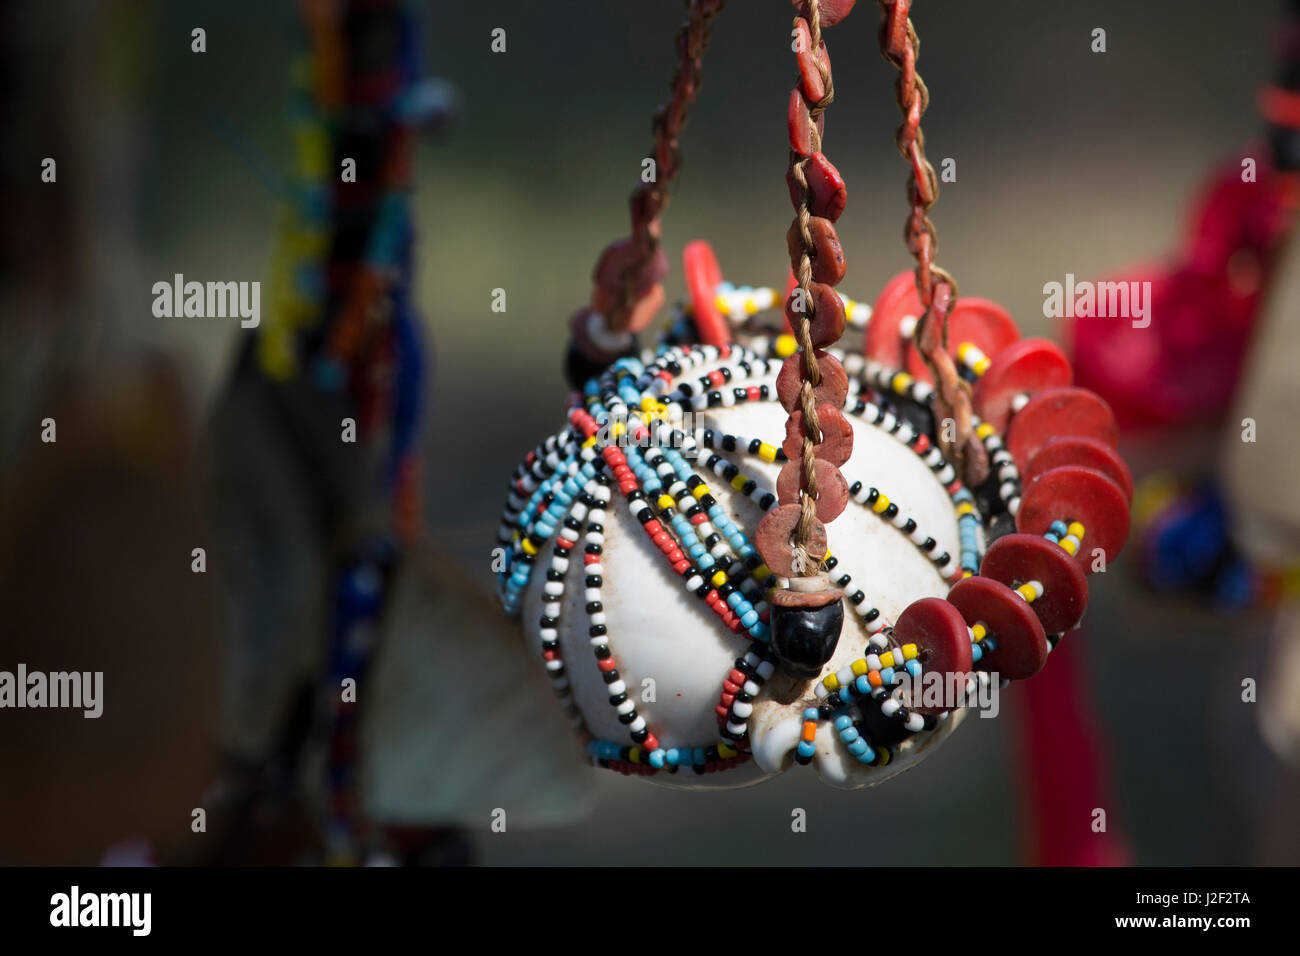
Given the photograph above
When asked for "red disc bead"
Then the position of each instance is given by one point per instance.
(940, 635)
(1056, 412)
(1018, 634)
(1075, 493)
(1088, 452)
(1015, 559)
(1022, 368)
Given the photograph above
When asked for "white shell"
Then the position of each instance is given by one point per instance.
(658, 631)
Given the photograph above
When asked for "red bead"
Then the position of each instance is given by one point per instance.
(653, 528)
(1015, 559)
(827, 258)
(606, 664)
(800, 124)
(1022, 368)
(827, 193)
(897, 300)
(703, 276)
(1016, 631)
(828, 319)
(810, 78)
(591, 559)
(941, 638)
(983, 323)
(716, 378)
(1075, 493)
(832, 489)
(834, 387)
(1055, 412)
(773, 539)
(1088, 452)
(754, 393)
(830, 12)
(836, 433)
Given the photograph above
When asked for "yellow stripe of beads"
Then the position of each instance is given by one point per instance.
(882, 503)
(767, 452)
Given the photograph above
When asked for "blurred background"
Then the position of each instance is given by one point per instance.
(1067, 161)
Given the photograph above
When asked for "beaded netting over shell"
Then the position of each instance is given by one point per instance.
(624, 444)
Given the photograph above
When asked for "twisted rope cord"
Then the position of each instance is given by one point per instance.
(937, 289)
(648, 200)
(812, 375)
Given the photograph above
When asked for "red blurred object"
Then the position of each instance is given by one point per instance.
(1185, 365)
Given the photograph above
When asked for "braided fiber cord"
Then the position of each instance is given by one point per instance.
(812, 373)
(937, 289)
(649, 199)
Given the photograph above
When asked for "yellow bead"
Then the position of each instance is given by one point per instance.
(1069, 545)
(979, 631)
(965, 508)
(859, 667)
(700, 491)
(984, 430)
(725, 750)
(767, 452)
(739, 481)
(617, 429)
(762, 572)
(887, 659)
(900, 382)
(719, 578)
(634, 755)
(831, 682)
(724, 306)
(529, 547)
(589, 442)
(1027, 592)
(909, 652)
(666, 502)
(786, 346)
(750, 305)
(882, 503)
(1075, 529)
(982, 365)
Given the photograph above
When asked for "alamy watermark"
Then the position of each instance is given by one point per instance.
(978, 689)
(76, 690)
(208, 300)
(1103, 300)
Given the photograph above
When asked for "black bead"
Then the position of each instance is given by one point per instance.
(803, 639)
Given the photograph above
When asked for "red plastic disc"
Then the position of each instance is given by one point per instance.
(882, 341)
(1018, 635)
(703, 276)
(985, 324)
(772, 538)
(1088, 452)
(941, 638)
(832, 489)
(1017, 558)
(1056, 413)
(1022, 368)
(830, 11)
(1075, 493)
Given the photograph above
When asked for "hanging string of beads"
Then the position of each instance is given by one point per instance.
(628, 291)
(812, 385)
(935, 286)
